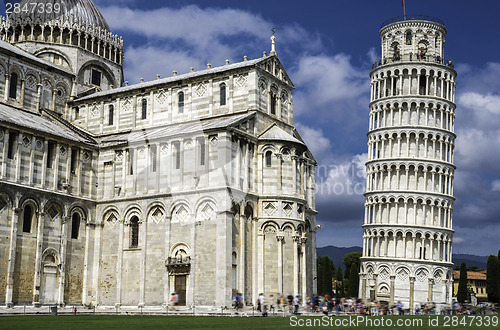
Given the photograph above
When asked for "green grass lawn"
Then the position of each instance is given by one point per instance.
(200, 322)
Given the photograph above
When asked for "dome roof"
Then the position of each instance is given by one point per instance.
(84, 10)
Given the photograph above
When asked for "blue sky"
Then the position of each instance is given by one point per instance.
(327, 48)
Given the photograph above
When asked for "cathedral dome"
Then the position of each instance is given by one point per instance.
(84, 11)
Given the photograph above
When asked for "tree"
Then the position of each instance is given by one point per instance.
(339, 287)
(462, 293)
(492, 282)
(326, 271)
(354, 281)
(349, 259)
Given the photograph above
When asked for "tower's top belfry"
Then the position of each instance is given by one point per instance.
(405, 39)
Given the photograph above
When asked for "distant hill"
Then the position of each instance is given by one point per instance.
(470, 260)
(337, 255)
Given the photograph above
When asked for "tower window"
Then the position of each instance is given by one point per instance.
(177, 154)
(222, 94)
(269, 155)
(27, 217)
(51, 154)
(144, 109)
(74, 160)
(201, 146)
(11, 145)
(95, 77)
(75, 225)
(13, 86)
(134, 232)
(131, 161)
(408, 37)
(111, 114)
(181, 102)
(273, 103)
(153, 152)
(77, 113)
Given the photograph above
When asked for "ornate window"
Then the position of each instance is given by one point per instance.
(274, 101)
(111, 114)
(177, 154)
(408, 37)
(74, 160)
(51, 153)
(144, 109)
(202, 150)
(95, 78)
(11, 145)
(13, 86)
(134, 232)
(222, 94)
(27, 217)
(181, 102)
(154, 159)
(75, 225)
(269, 155)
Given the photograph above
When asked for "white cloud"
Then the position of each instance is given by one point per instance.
(315, 139)
(489, 103)
(326, 80)
(478, 149)
(495, 185)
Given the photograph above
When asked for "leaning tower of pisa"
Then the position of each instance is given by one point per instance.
(407, 230)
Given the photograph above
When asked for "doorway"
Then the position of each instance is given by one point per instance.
(180, 288)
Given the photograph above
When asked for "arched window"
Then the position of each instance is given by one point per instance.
(273, 103)
(269, 155)
(134, 232)
(13, 85)
(144, 108)
(408, 37)
(27, 217)
(111, 114)
(222, 94)
(181, 102)
(75, 225)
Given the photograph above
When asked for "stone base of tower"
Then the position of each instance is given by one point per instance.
(412, 283)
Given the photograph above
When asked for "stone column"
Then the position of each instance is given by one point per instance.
(296, 239)
(86, 275)
(363, 287)
(280, 174)
(429, 293)
(393, 289)
(64, 243)
(7, 87)
(166, 276)
(412, 293)
(143, 224)
(12, 256)
(303, 241)
(119, 262)
(280, 238)
(38, 261)
(242, 254)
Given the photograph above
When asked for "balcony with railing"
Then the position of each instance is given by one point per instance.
(180, 264)
(412, 18)
(409, 58)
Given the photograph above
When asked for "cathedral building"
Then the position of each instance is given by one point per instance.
(119, 195)
(407, 231)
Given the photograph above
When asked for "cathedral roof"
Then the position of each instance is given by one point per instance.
(36, 122)
(84, 11)
(163, 81)
(277, 134)
(178, 129)
(6, 47)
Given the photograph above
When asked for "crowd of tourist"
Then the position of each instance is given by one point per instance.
(350, 306)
